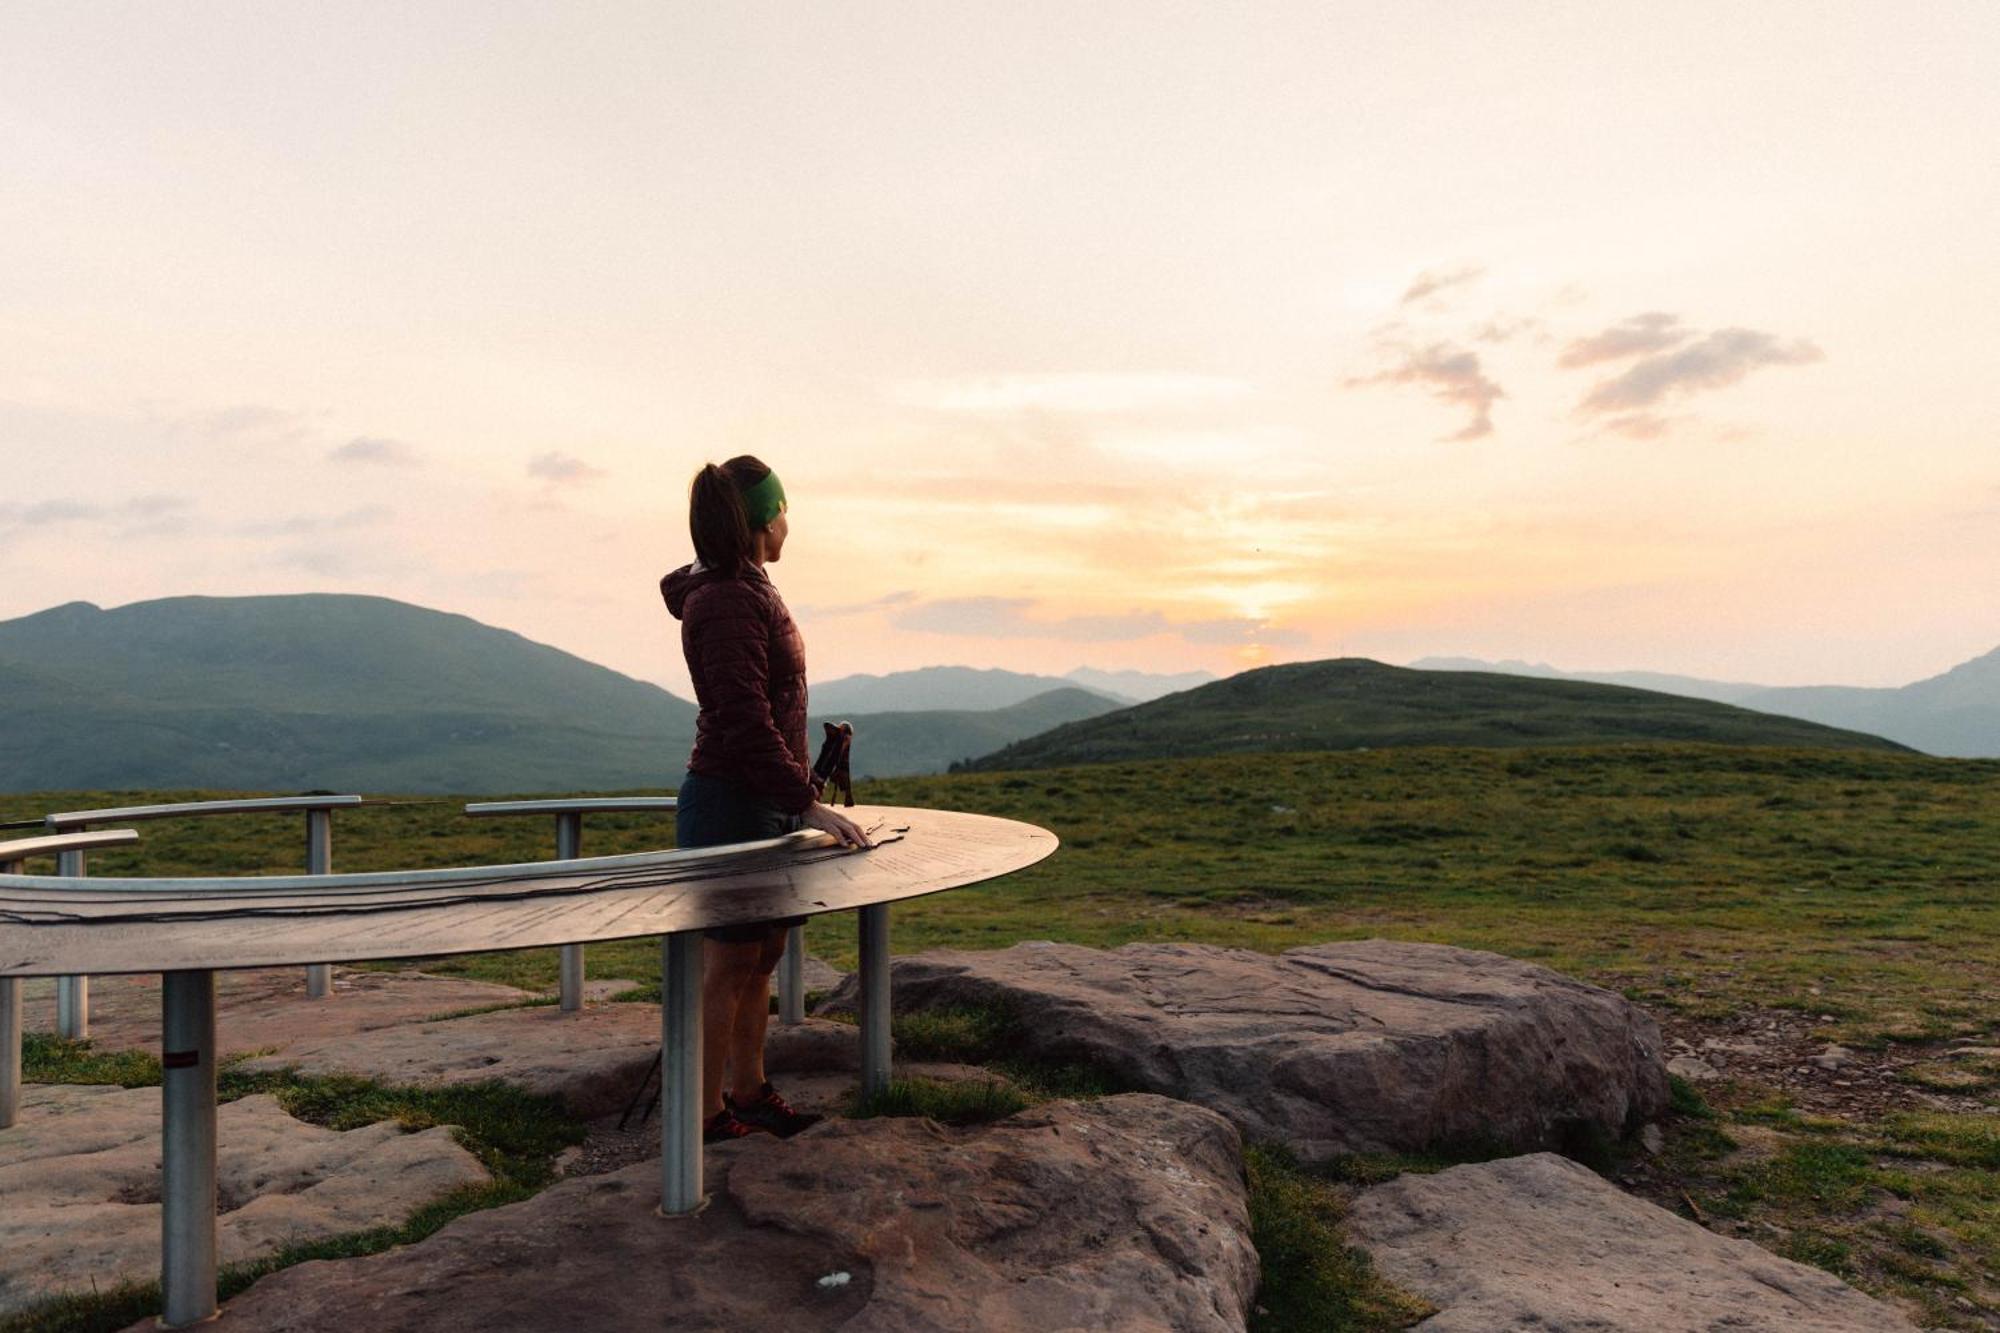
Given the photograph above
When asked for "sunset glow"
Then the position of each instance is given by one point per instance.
(1129, 336)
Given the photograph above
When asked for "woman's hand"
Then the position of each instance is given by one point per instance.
(829, 820)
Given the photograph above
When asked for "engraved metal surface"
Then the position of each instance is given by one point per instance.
(50, 925)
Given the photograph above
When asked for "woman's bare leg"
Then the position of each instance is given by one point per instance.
(727, 968)
(753, 1017)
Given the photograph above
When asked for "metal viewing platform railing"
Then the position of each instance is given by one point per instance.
(73, 993)
(12, 856)
(187, 929)
(569, 846)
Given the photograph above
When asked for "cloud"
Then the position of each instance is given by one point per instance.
(1108, 629)
(43, 513)
(505, 584)
(1640, 425)
(1239, 630)
(1008, 618)
(561, 469)
(1500, 329)
(1713, 362)
(142, 516)
(374, 449)
(246, 419)
(967, 615)
(325, 561)
(882, 603)
(1654, 331)
(1453, 375)
(154, 516)
(1434, 280)
(1078, 392)
(157, 506)
(299, 525)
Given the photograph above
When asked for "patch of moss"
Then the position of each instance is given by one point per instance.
(514, 1134)
(49, 1059)
(1311, 1279)
(972, 1102)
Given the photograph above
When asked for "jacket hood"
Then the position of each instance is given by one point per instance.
(676, 586)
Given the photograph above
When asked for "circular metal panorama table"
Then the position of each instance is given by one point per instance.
(187, 929)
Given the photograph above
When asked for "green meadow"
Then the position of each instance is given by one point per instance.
(1854, 889)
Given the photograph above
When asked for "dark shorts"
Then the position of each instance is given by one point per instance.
(714, 813)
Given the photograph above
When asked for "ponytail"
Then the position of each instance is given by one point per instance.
(717, 519)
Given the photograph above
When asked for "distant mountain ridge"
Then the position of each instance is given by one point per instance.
(1139, 686)
(306, 691)
(964, 687)
(332, 691)
(958, 688)
(1692, 687)
(317, 690)
(1351, 703)
(897, 744)
(1954, 714)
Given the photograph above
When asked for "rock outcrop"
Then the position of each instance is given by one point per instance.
(594, 1060)
(1372, 1045)
(1126, 1213)
(266, 1009)
(80, 1177)
(1541, 1243)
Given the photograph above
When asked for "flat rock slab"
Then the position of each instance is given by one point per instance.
(594, 1059)
(1125, 1213)
(820, 975)
(1541, 1243)
(1365, 1046)
(266, 1009)
(80, 1174)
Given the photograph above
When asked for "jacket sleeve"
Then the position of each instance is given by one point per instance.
(732, 640)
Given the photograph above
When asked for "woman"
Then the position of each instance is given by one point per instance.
(750, 775)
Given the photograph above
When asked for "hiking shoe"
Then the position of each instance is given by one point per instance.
(725, 1126)
(768, 1111)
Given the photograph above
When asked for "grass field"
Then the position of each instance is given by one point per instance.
(1851, 895)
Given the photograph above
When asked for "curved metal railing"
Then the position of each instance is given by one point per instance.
(569, 845)
(73, 993)
(12, 855)
(194, 927)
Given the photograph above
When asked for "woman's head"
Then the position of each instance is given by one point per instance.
(736, 513)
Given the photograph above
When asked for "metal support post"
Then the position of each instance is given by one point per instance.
(569, 846)
(680, 1072)
(10, 1036)
(874, 999)
(319, 861)
(792, 977)
(72, 993)
(10, 1051)
(187, 1148)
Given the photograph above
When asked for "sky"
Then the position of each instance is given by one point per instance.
(1138, 335)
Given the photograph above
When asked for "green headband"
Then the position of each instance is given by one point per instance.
(764, 501)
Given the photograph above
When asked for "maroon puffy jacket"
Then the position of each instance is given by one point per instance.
(749, 669)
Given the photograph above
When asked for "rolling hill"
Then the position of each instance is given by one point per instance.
(1956, 714)
(1349, 703)
(320, 691)
(1693, 687)
(309, 691)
